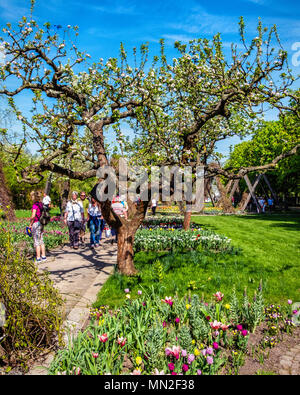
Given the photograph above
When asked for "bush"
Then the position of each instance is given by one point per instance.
(33, 307)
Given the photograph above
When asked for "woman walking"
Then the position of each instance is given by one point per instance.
(74, 218)
(96, 223)
(36, 226)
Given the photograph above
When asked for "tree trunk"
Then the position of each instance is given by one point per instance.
(224, 201)
(64, 196)
(187, 216)
(48, 184)
(125, 250)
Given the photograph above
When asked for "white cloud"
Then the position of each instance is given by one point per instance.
(11, 11)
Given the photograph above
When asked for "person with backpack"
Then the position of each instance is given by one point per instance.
(37, 227)
(74, 217)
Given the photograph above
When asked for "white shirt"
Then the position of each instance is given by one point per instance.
(94, 211)
(74, 211)
(46, 200)
(154, 203)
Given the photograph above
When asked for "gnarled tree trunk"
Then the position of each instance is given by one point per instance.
(125, 229)
(125, 257)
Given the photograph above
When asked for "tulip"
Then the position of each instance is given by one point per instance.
(103, 338)
(191, 358)
(219, 296)
(215, 345)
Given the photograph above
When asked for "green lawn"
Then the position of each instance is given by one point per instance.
(270, 251)
(27, 213)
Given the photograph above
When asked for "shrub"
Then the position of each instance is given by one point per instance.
(33, 307)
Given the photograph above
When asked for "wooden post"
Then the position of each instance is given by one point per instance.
(271, 189)
(252, 192)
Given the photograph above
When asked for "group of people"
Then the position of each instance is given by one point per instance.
(80, 212)
(266, 203)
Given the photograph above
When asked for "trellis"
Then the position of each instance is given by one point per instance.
(232, 187)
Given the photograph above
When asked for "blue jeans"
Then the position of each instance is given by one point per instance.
(96, 228)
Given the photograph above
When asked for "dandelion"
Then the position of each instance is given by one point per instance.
(138, 360)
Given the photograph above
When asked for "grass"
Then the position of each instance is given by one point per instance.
(27, 213)
(270, 251)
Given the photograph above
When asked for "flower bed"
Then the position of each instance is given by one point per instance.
(155, 335)
(55, 234)
(162, 239)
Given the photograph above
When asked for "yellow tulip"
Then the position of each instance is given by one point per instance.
(196, 352)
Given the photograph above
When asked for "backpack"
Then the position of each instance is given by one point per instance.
(45, 215)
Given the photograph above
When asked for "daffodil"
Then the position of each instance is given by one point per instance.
(138, 360)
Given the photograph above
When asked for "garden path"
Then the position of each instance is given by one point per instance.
(78, 275)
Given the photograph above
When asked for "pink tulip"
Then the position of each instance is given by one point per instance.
(219, 296)
(215, 325)
(215, 345)
(103, 338)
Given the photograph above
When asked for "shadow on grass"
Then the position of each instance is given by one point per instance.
(288, 221)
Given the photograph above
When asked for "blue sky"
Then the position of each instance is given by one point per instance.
(103, 24)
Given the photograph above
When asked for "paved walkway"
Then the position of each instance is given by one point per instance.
(78, 275)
